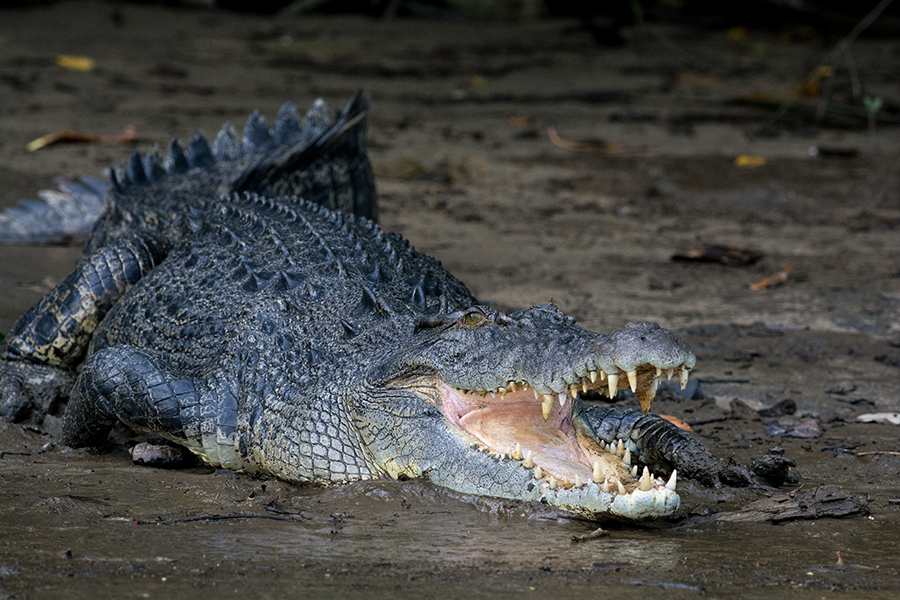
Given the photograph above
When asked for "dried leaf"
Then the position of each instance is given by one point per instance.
(589, 145)
(775, 279)
(749, 160)
(82, 64)
(677, 422)
(70, 136)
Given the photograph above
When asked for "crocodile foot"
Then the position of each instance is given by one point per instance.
(664, 447)
(29, 392)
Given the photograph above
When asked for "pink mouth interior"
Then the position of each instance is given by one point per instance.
(501, 423)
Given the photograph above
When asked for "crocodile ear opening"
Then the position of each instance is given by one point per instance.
(436, 321)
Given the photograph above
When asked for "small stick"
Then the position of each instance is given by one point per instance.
(598, 533)
(775, 279)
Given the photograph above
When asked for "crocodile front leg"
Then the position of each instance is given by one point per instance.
(663, 447)
(38, 358)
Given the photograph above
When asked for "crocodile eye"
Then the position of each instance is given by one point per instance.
(473, 318)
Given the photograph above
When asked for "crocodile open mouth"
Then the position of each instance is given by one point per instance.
(544, 433)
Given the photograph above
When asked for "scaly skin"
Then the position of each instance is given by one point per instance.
(276, 335)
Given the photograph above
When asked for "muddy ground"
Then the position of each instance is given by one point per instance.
(643, 168)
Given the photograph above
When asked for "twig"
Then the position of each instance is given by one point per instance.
(212, 518)
(597, 533)
(600, 145)
(775, 279)
(878, 452)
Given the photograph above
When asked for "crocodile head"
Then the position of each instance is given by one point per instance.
(488, 403)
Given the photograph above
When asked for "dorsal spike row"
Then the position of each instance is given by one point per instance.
(375, 276)
(257, 138)
(288, 281)
(286, 129)
(309, 290)
(227, 145)
(349, 328)
(153, 165)
(199, 154)
(317, 120)
(175, 161)
(256, 282)
(371, 301)
(115, 180)
(418, 294)
(135, 170)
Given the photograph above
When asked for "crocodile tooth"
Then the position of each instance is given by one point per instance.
(493, 393)
(632, 379)
(584, 386)
(634, 471)
(528, 463)
(565, 482)
(645, 480)
(538, 473)
(669, 373)
(507, 454)
(684, 377)
(659, 371)
(593, 376)
(621, 488)
(646, 396)
(552, 483)
(536, 395)
(670, 485)
(626, 458)
(605, 486)
(578, 482)
(562, 398)
(613, 384)
(598, 473)
(517, 453)
(511, 386)
(547, 405)
(620, 449)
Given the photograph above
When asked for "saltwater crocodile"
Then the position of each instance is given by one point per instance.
(239, 299)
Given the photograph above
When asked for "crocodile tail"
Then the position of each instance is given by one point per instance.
(322, 162)
(64, 216)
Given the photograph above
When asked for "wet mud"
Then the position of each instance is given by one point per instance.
(537, 164)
